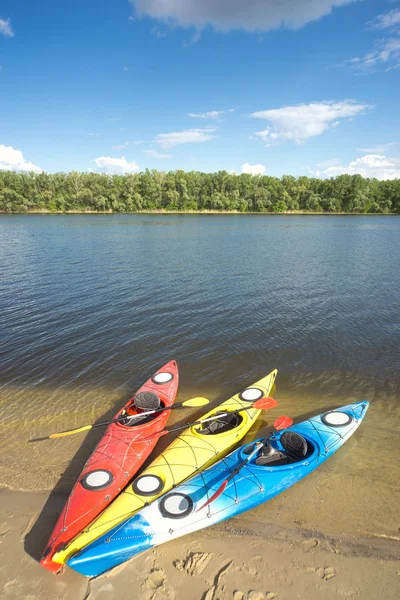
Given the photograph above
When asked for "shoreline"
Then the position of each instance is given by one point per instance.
(192, 212)
(243, 559)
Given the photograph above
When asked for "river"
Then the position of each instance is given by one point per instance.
(91, 305)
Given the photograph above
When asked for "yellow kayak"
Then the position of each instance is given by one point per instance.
(195, 449)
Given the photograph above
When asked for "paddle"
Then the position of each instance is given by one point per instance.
(261, 404)
(280, 423)
(192, 402)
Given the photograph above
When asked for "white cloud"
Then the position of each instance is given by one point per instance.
(223, 15)
(156, 154)
(122, 146)
(212, 114)
(370, 165)
(6, 28)
(387, 20)
(138, 142)
(116, 166)
(253, 169)
(386, 49)
(167, 140)
(300, 122)
(379, 148)
(95, 134)
(393, 68)
(13, 160)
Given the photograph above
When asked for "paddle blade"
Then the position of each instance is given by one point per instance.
(71, 432)
(265, 403)
(282, 423)
(199, 401)
(216, 495)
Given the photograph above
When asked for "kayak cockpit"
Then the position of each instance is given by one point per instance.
(290, 447)
(142, 403)
(225, 423)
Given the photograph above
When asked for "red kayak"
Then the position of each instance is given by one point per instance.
(119, 454)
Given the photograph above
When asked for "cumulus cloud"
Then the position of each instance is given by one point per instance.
(223, 15)
(253, 169)
(370, 165)
(300, 122)
(212, 114)
(116, 166)
(155, 154)
(167, 140)
(6, 28)
(13, 160)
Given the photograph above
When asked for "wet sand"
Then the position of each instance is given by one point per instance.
(233, 561)
(359, 485)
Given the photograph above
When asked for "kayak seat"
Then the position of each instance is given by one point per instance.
(147, 401)
(143, 401)
(294, 444)
(225, 423)
(270, 455)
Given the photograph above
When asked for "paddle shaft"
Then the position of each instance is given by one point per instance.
(213, 418)
(122, 418)
(143, 414)
(244, 462)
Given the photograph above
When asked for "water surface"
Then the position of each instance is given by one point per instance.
(91, 305)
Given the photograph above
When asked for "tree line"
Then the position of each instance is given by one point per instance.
(186, 191)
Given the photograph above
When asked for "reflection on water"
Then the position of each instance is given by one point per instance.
(92, 305)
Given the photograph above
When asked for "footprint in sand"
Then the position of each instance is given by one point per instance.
(310, 545)
(254, 595)
(194, 564)
(325, 573)
(155, 586)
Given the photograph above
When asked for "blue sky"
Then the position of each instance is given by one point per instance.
(263, 86)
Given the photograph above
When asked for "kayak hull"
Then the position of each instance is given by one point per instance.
(117, 457)
(179, 512)
(191, 452)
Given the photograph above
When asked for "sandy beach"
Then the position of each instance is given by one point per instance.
(242, 559)
(331, 535)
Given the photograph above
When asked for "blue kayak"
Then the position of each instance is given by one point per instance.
(274, 464)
